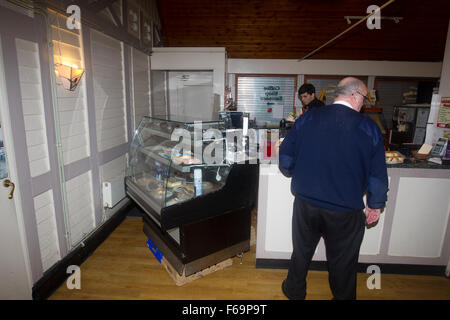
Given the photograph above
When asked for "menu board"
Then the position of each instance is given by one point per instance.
(444, 113)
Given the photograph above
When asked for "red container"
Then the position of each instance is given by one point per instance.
(269, 148)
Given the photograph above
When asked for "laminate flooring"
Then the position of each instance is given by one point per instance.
(124, 268)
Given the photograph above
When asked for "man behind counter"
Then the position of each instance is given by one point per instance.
(307, 96)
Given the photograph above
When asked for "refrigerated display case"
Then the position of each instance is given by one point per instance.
(196, 213)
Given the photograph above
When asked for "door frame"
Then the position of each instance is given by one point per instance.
(12, 170)
(34, 29)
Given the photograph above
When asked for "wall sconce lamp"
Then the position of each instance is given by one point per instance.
(70, 75)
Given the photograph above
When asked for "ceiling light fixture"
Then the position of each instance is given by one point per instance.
(349, 18)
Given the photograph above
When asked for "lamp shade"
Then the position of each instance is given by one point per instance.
(70, 75)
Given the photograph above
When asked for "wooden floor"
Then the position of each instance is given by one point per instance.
(124, 268)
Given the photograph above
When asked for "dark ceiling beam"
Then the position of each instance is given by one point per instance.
(100, 5)
(114, 16)
(125, 13)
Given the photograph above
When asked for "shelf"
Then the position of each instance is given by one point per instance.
(178, 167)
(156, 157)
(169, 135)
(158, 133)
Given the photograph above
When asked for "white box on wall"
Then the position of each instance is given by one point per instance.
(113, 192)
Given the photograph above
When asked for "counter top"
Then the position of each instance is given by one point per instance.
(419, 165)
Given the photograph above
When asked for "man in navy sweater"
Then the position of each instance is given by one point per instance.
(334, 155)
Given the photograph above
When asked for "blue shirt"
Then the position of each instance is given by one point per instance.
(334, 155)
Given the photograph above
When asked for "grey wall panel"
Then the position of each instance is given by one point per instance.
(51, 135)
(90, 95)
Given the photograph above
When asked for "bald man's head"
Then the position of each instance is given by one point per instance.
(347, 89)
(347, 86)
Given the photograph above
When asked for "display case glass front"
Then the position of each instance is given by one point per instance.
(166, 174)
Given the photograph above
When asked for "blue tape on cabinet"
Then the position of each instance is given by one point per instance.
(158, 254)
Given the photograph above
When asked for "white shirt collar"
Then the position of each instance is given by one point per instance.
(345, 103)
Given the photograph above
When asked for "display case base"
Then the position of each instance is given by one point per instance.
(183, 279)
(171, 252)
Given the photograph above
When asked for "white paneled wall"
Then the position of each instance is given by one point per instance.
(46, 226)
(72, 106)
(74, 130)
(109, 91)
(114, 169)
(80, 206)
(141, 86)
(66, 200)
(33, 106)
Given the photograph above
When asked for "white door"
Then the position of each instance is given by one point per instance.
(191, 94)
(15, 277)
(197, 100)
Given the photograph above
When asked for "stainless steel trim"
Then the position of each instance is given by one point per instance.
(175, 234)
(143, 208)
(155, 206)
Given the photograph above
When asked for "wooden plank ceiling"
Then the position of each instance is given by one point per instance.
(290, 29)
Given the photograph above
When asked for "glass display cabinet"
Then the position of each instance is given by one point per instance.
(197, 214)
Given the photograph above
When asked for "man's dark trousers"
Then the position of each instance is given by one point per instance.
(343, 233)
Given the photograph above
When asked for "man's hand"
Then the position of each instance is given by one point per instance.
(372, 215)
(277, 145)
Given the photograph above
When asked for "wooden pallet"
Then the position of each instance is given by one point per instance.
(182, 280)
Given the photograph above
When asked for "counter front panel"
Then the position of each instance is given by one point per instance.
(413, 227)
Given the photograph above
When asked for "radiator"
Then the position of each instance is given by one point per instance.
(113, 192)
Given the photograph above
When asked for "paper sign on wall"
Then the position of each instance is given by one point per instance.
(433, 131)
(444, 113)
(277, 111)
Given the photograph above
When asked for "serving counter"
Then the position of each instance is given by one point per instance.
(413, 229)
